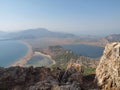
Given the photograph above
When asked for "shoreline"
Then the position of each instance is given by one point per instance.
(44, 55)
(23, 60)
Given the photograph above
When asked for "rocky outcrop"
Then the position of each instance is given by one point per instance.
(19, 78)
(40, 78)
(108, 71)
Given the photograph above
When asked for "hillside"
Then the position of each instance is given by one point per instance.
(113, 38)
(63, 57)
(37, 33)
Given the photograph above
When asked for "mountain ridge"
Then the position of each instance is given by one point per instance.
(113, 37)
(37, 33)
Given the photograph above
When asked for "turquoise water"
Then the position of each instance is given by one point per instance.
(86, 50)
(11, 51)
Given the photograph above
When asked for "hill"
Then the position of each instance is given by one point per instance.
(63, 56)
(2, 34)
(37, 33)
(113, 38)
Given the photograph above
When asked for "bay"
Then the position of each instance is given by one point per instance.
(11, 51)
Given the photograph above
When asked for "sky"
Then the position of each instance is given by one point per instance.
(92, 17)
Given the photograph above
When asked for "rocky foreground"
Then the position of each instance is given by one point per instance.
(41, 78)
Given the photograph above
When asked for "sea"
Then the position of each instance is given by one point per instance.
(86, 50)
(11, 51)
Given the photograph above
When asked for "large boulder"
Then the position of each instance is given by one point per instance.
(108, 70)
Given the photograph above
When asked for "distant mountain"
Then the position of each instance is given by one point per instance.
(38, 33)
(2, 34)
(113, 38)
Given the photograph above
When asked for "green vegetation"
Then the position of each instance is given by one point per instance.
(88, 70)
(64, 58)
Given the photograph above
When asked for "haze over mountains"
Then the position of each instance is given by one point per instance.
(1, 32)
(42, 33)
(36, 33)
(113, 37)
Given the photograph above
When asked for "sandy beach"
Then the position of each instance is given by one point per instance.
(48, 56)
(23, 60)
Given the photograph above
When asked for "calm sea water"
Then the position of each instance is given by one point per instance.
(11, 51)
(38, 61)
(86, 50)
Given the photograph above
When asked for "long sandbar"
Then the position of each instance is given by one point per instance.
(22, 61)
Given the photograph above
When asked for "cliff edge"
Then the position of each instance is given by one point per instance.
(108, 70)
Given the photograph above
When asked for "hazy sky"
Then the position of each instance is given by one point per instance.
(73, 16)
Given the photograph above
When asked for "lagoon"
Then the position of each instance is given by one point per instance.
(38, 61)
(85, 50)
